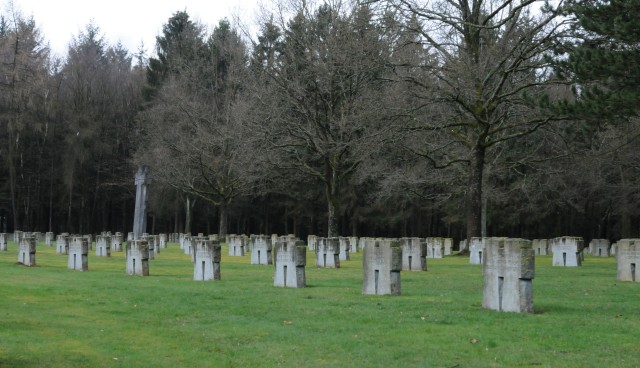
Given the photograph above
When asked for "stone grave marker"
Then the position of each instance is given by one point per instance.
(509, 268)
(62, 244)
(599, 247)
(463, 245)
(261, 250)
(78, 254)
(290, 259)
(328, 253)
(414, 252)
(344, 248)
(448, 246)
(312, 240)
(116, 242)
(27, 251)
(628, 259)
(567, 251)
(162, 238)
(103, 246)
(137, 255)
(381, 264)
(48, 238)
(476, 248)
(236, 245)
(353, 244)
(207, 260)
(3, 242)
(435, 247)
(540, 247)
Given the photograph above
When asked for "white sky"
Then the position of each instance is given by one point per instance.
(127, 21)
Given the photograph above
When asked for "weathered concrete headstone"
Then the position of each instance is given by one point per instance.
(476, 250)
(435, 247)
(236, 245)
(381, 264)
(540, 247)
(137, 255)
(214, 237)
(103, 246)
(206, 265)
(162, 238)
(628, 259)
(599, 247)
(567, 251)
(463, 245)
(344, 248)
(17, 236)
(353, 244)
(151, 245)
(509, 268)
(62, 244)
(261, 249)
(89, 239)
(116, 242)
(328, 253)
(290, 259)
(78, 254)
(48, 238)
(448, 246)
(312, 240)
(129, 236)
(27, 251)
(614, 248)
(414, 252)
(142, 181)
(362, 242)
(187, 244)
(3, 242)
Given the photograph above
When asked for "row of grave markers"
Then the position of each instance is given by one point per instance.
(508, 264)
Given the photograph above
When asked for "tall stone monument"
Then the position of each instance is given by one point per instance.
(143, 179)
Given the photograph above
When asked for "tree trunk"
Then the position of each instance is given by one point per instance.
(187, 220)
(331, 190)
(12, 183)
(222, 227)
(474, 193)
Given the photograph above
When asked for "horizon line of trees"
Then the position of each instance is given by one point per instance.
(379, 118)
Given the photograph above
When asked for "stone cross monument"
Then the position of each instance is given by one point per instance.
(143, 179)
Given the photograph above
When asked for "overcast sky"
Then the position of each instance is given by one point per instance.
(128, 21)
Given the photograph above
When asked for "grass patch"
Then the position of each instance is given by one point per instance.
(54, 317)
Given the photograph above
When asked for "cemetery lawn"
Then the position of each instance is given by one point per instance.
(54, 317)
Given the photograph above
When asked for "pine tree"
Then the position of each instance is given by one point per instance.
(605, 61)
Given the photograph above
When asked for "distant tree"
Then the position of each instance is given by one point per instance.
(194, 131)
(603, 60)
(483, 64)
(319, 107)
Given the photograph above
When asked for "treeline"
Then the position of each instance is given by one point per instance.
(383, 118)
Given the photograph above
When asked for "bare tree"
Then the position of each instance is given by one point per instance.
(483, 66)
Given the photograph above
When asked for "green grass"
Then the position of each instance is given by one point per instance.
(54, 317)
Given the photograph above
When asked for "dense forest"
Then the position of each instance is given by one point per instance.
(453, 118)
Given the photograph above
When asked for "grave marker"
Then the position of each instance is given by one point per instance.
(27, 251)
(628, 259)
(137, 255)
(103, 246)
(567, 251)
(3, 242)
(328, 253)
(509, 268)
(381, 264)
(414, 254)
(290, 259)
(78, 254)
(206, 260)
(261, 250)
(62, 244)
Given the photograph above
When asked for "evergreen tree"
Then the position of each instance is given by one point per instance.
(605, 59)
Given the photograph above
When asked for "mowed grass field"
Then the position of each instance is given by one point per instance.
(54, 317)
